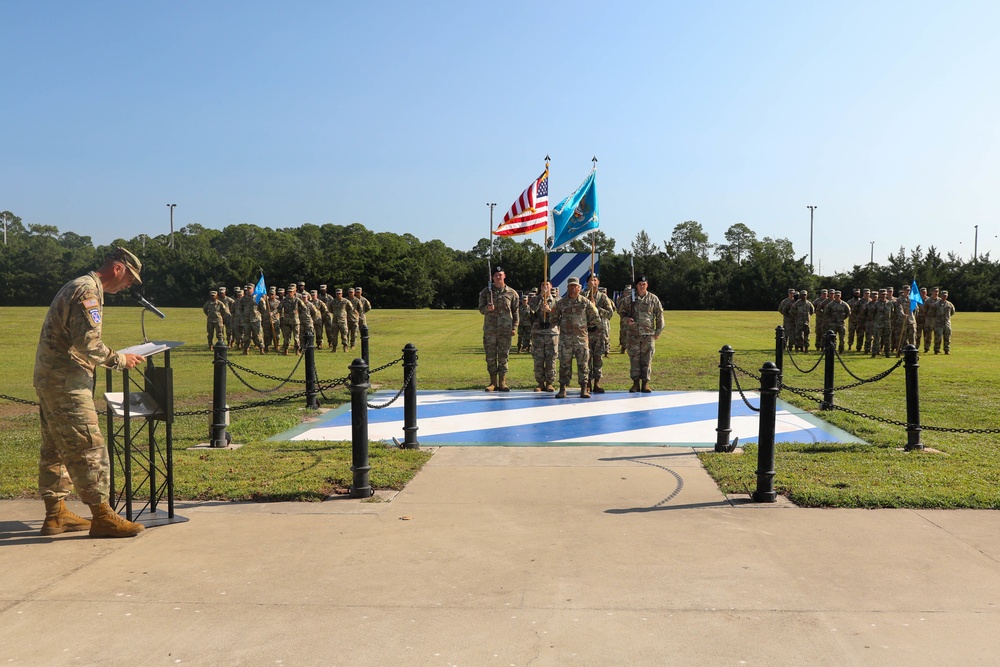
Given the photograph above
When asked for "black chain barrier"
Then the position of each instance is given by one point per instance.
(409, 378)
(740, 389)
(792, 359)
(14, 399)
(875, 378)
(233, 366)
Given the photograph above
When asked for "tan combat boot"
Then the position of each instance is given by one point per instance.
(562, 391)
(540, 387)
(585, 390)
(635, 387)
(107, 523)
(597, 388)
(646, 389)
(503, 384)
(58, 519)
(549, 388)
(493, 382)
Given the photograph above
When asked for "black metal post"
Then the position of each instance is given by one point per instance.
(723, 429)
(360, 488)
(363, 331)
(217, 436)
(312, 388)
(765, 436)
(409, 397)
(910, 358)
(829, 346)
(779, 351)
(127, 429)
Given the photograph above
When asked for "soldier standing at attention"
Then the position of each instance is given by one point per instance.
(622, 328)
(836, 312)
(821, 326)
(576, 316)
(320, 312)
(236, 311)
(268, 307)
(852, 325)
(921, 315)
(73, 450)
(307, 317)
(598, 338)
(943, 310)
(930, 318)
(803, 310)
(327, 326)
(364, 306)
(882, 315)
(227, 319)
(353, 317)
(340, 311)
(499, 305)
(289, 314)
(785, 308)
(524, 326)
(544, 337)
(215, 311)
(252, 328)
(644, 317)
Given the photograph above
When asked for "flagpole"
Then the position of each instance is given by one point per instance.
(545, 234)
(489, 259)
(593, 248)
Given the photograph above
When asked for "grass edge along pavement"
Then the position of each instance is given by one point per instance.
(956, 391)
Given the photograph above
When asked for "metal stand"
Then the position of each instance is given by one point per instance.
(143, 412)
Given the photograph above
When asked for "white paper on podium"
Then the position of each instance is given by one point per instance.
(140, 404)
(151, 348)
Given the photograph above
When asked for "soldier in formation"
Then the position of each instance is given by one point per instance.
(544, 337)
(270, 319)
(524, 326)
(599, 336)
(498, 303)
(802, 311)
(289, 317)
(643, 316)
(942, 311)
(215, 311)
(576, 317)
(340, 312)
(363, 306)
(785, 308)
(227, 319)
(837, 311)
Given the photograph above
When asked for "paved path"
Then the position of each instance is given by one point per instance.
(511, 556)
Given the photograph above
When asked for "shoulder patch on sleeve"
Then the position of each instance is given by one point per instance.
(90, 303)
(95, 315)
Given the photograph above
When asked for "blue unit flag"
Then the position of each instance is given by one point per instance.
(577, 214)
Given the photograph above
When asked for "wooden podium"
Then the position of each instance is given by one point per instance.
(140, 438)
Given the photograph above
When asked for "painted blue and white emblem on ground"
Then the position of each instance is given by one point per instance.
(519, 418)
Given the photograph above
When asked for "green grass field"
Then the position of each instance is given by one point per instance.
(957, 391)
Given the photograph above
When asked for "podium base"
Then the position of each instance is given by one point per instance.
(158, 518)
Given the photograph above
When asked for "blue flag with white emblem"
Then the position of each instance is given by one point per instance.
(577, 214)
(259, 289)
(915, 298)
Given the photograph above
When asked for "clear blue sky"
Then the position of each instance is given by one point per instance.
(411, 116)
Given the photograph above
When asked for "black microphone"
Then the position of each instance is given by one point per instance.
(148, 306)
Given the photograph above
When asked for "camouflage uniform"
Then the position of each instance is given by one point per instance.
(364, 305)
(253, 332)
(785, 308)
(647, 315)
(331, 332)
(340, 312)
(270, 320)
(836, 312)
(599, 336)
(852, 325)
(930, 314)
(238, 333)
(943, 310)
(524, 326)
(215, 312)
(353, 317)
(498, 326)
(575, 317)
(821, 324)
(882, 316)
(544, 341)
(227, 319)
(73, 450)
(307, 318)
(289, 315)
(802, 310)
(870, 322)
(319, 317)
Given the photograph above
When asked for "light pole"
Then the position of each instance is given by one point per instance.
(872, 260)
(975, 246)
(171, 207)
(812, 209)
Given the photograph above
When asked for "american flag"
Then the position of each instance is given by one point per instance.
(530, 211)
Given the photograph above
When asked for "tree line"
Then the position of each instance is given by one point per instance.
(686, 271)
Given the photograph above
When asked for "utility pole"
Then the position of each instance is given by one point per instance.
(171, 207)
(812, 209)
(975, 246)
(872, 260)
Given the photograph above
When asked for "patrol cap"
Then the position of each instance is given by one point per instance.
(357, 289)
(338, 291)
(222, 290)
(322, 287)
(791, 290)
(301, 283)
(837, 292)
(130, 261)
(857, 289)
(249, 286)
(350, 289)
(805, 291)
(313, 292)
(824, 291)
(271, 289)
(573, 281)
(292, 286)
(865, 291)
(281, 290)
(498, 269)
(883, 291)
(944, 292)
(213, 293)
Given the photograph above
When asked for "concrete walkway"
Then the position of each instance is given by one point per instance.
(511, 556)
